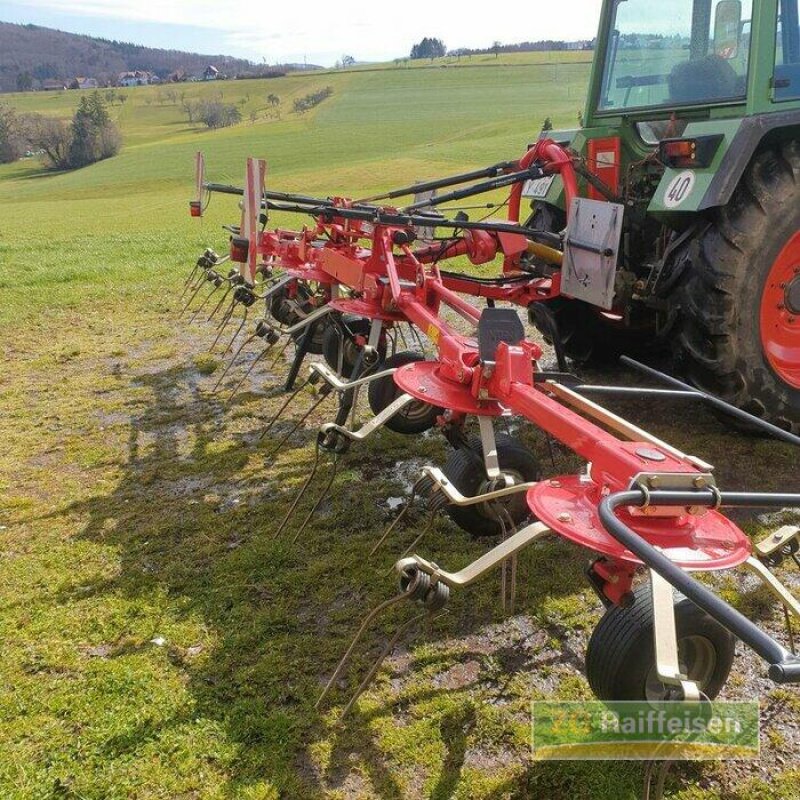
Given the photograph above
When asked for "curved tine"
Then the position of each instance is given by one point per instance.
(203, 304)
(219, 305)
(514, 561)
(221, 327)
(283, 408)
(188, 281)
(299, 494)
(322, 496)
(419, 538)
(249, 370)
(233, 360)
(396, 521)
(370, 676)
(509, 568)
(296, 426)
(194, 294)
(415, 334)
(235, 335)
(379, 609)
(282, 350)
(228, 312)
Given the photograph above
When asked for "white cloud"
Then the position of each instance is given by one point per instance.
(324, 30)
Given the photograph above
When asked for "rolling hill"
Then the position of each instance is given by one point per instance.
(46, 54)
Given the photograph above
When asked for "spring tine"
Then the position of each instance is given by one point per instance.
(235, 335)
(789, 630)
(379, 609)
(282, 409)
(396, 521)
(203, 304)
(421, 536)
(221, 327)
(194, 294)
(302, 419)
(188, 281)
(219, 305)
(274, 361)
(322, 496)
(249, 370)
(299, 494)
(655, 770)
(233, 360)
(370, 676)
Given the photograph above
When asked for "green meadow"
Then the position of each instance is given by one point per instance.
(156, 639)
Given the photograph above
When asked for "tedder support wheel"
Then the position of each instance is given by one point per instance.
(345, 333)
(289, 311)
(620, 658)
(466, 470)
(739, 303)
(416, 417)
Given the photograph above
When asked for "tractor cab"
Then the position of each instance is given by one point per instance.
(674, 54)
(692, 130)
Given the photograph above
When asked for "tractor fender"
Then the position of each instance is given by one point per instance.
(682, 191)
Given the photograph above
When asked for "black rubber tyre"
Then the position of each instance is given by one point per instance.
(620, 658)
(587, 337)
(345, 332)
(719, 344)
(285, 311)
(416, 417)
(465, 469)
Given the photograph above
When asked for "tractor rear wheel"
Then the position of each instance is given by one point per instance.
(739, 305)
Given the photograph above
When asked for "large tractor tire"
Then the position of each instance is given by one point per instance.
(739, 303)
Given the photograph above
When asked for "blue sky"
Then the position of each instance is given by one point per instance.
(317, 30)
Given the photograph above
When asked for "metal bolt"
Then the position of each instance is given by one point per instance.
(699, 482)
(565, 517)
(653, 482)
(421, 389)
(555, 484)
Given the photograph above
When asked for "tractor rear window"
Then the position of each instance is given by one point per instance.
(676, 53)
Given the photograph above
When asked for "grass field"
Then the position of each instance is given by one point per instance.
(157, 642)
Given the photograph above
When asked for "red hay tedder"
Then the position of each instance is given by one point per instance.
(348, 286)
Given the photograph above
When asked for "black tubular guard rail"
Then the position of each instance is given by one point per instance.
(783, 666)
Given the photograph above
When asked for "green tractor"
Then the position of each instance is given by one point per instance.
(692, 130)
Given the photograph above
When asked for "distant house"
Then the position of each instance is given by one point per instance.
(210, 73)
(53, 86)
(135, 78)
(86, 83)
